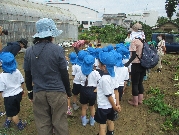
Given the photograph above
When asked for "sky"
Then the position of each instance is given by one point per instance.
(119, 6)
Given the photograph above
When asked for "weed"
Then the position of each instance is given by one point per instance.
(156, 104)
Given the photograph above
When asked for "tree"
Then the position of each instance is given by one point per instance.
(162, 20)
(170, 7)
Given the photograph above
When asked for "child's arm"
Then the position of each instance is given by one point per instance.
(116, 96)
(111, 100)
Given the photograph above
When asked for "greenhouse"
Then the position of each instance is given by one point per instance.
(19, 17)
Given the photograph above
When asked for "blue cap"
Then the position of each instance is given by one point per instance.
(8, 62)
(108, 59)
(91, 51)
(81, 55)
(87, 65)
(119, 60)
(46, 28)
(110, 48)
(97, 51)
(105, 49)
(73, 57)
(119, 45)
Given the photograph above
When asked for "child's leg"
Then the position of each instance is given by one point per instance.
(75, 106)
(18, 122)
(15, 119)
(75, 98)
(83, 115)
(84, 108)
(102, 129)
(110, 125)
(92, 111)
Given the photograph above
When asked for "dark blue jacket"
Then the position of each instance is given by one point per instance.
(12, 47)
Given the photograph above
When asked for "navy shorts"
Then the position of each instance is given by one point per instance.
(76, 89)
(12, 105)
(102, 115)
(120, 90)
(87, 95)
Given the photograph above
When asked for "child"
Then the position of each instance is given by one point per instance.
(125, 58)
(105, 94)
(89, 79)
(12, 88)
(122, 75)
(97, 51)
(76, 69)
(73, 58)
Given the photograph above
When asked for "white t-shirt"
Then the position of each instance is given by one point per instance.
(122, 74)
(105, 87)
(10, 84)
(125, 61)
(76, 71)
(93, 78)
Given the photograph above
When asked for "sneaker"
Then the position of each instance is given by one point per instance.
(158, 70)
(69, 111)
(2, 113)
(145, 78)
(21, 125)
(92, 121)
(84, 120)
(128, 83)
(75, 106)
(7, 123)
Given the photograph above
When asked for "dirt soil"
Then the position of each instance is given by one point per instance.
(132, 120)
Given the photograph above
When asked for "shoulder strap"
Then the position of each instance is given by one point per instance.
(143, 45)
(142, 40)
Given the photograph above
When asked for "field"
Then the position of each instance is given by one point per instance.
(141, 120)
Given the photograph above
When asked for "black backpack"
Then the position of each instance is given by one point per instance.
(149, 58)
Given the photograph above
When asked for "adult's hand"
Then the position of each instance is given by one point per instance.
(30, 95)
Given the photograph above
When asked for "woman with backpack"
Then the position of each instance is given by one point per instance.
(137, 71)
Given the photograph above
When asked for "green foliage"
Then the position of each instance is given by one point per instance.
(166, 62)
(162, 20)
(156, 104)
(111, 33)
(107, 34)
(170, 7)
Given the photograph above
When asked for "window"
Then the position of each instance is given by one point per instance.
(85, 22)
(169, 38)
(176, 39)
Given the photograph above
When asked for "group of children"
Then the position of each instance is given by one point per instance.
(99, 74)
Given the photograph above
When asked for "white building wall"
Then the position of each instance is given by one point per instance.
(148, 17)
(82, 13)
